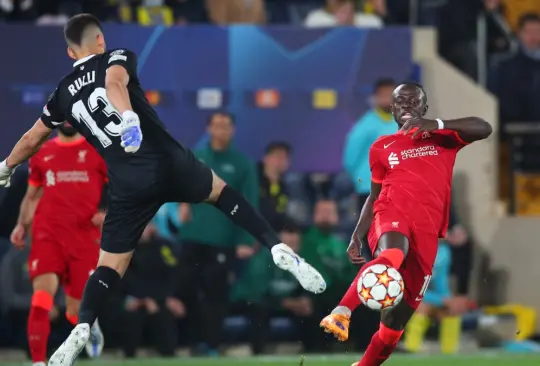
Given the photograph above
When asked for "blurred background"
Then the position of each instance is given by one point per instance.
(301, 88)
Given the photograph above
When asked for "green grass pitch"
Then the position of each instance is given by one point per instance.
(496, 359)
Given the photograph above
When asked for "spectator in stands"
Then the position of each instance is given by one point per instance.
(264, 292)
(273, 194)
(457, 26)
(325, 251)
(225, 12)
(168, 220)
(377, 122)
(515, 81)
(211, 243)
(341, 12)
(462, 252)
(439, 303)
(18, 10)
(147, 284)
(188, 11)
(514, 10)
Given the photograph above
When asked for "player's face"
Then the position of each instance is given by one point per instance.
(67, 130)
(407, 102)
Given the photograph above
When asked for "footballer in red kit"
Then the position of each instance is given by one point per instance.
(62, 216)
(407, 211)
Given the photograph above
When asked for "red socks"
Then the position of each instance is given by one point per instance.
(380, 348)
(39, 325)
(390, 257)
(73, 319)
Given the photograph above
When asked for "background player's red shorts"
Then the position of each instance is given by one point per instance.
(418, 264)
(71, 255)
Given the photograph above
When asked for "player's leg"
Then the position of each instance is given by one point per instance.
(385, 340)
(123, 227)
(45, 265)
(200, 184)
(391, 250)
(243, 214)
(417, 328)
(39, 327)
(82, 263)
(416, 273)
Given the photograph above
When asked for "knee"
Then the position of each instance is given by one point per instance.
(42, 299)
(118, 262)
(388, 335)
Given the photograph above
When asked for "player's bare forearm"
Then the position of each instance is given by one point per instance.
(364, 222)
(469, 129)
(29, 144)
(29, 205)
(118, 95)
(116, 83)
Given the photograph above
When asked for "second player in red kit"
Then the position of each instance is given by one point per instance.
(407, 211)
(61, 215)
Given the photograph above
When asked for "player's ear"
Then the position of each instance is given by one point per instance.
(425, 110)
(71, 53)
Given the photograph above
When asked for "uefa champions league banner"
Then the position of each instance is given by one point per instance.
(306, 87)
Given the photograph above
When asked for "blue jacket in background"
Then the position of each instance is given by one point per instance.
(370, 127)
(167, 221)
(439, 287)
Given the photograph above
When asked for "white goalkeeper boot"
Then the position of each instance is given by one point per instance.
(66, 354)
(286, 259)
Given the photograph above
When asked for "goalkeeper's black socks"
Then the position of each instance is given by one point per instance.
(239, 211)
(101, 284)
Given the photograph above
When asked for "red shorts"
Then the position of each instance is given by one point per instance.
(417, 267)
(72, 256)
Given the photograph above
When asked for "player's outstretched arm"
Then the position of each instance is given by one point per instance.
(28, 145)
(469, 129)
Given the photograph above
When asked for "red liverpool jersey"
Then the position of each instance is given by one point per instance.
(72, 176)
(416, 176)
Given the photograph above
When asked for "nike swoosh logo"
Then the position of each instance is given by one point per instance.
(417, 299)
(56, 123)
(386, 145)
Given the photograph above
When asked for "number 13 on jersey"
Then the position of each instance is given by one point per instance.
(84, 115)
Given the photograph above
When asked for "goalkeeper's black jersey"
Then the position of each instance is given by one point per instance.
(81, 99)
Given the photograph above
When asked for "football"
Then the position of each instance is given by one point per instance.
(380, 287)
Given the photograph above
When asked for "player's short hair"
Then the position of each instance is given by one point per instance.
(384, 83)
(528, 18)
(76, 25)
(276, 146)
(418, 86)
(220, 113)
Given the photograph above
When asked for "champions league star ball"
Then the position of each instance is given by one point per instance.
(380, 287)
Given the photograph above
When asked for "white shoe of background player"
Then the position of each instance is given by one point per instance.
(66, 354)
(95, 344)
(286, 259)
